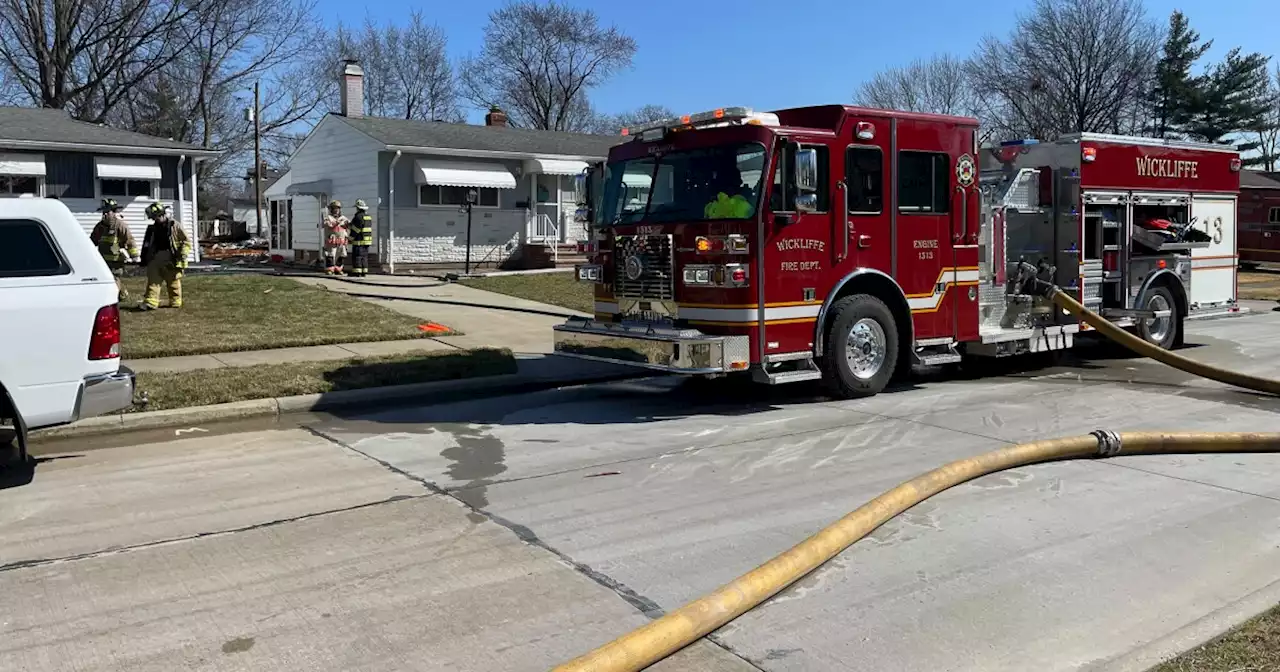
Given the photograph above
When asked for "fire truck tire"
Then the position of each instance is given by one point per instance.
(861, 349)
(1162, 331)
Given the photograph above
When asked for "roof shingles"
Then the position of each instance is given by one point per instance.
(443, 135)
(33, 124)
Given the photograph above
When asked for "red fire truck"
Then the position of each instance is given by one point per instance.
(850, 244)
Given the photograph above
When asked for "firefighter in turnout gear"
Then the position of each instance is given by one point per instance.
(335, 239)
(114, 242)
(361, 239)
(165, 248)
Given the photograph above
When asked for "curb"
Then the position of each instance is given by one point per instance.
(464, 389)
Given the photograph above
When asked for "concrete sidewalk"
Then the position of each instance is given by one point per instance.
(487, 320)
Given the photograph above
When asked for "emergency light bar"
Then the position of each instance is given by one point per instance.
(724, 116)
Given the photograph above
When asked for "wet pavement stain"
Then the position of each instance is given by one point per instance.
(237, 645)
(476, 460)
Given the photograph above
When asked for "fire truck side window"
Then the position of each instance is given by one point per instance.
(864, 173)
(782, 198)
(924, 183)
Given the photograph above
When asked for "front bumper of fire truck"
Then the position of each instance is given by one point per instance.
(652, 346)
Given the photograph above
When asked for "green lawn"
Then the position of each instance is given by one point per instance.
(227, 313)
(218, 386)
(1253, 647)
(559, 289)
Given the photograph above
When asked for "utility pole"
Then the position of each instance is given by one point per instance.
(257, 158)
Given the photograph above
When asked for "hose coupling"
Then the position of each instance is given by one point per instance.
(1108, 442)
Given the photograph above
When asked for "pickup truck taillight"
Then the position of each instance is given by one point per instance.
(105, 342)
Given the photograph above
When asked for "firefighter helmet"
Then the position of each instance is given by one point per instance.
(155, 210)
(361, 205)
(335, 204)
(110, 205)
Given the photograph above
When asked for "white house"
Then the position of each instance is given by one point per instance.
(415, 175)
(46, 153)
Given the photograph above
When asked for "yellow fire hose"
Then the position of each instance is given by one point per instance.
(660, 638)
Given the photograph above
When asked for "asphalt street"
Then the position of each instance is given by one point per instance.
(515, 533)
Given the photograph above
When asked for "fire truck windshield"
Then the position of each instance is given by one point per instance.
(720, 182)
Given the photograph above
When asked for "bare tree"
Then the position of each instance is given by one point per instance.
(86, 55)
(612, 124)
(407, 71)
(1069, 66)
(540, 62)
(229, 45)
(939, 85)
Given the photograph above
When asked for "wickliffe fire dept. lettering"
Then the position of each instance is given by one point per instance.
(1149, 167)
(788, 244)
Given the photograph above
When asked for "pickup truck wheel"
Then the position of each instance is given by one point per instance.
(13, 435)
(1161, 331)
(861, 347)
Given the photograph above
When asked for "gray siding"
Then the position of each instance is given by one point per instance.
(349, 159)
(72, 175)
(68, 175)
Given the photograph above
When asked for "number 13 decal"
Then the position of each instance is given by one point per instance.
(1215, 230)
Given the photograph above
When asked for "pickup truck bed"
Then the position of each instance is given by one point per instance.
(59, 322)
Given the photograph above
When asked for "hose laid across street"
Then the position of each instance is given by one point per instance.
(660, 638)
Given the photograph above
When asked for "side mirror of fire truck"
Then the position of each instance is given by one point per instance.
(582, 196)
(806, 180)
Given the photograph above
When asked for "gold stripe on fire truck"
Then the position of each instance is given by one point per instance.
(963, 276)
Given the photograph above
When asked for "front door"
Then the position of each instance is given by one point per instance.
(926, 268)
(870, 228)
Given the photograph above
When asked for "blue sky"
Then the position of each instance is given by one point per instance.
(701, 55)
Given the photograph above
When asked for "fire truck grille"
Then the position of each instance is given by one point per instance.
(644, 268)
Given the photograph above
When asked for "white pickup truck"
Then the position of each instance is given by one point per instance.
(59, 324)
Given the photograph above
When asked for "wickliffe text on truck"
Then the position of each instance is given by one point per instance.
(849, 244)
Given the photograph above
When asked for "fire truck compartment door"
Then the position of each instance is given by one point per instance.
(1213, 268)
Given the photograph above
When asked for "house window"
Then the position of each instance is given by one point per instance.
(17, 185)
(113, 188)
(29, 250)
(430, 194)
(1273, 217)
(923, 183)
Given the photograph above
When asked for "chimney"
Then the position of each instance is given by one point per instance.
(352, 88)
(496, 117)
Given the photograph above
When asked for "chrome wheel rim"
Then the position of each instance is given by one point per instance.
(865, 349)
(1158, 327)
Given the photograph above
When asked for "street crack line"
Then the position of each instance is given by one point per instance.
(715, 640)
(39, 562)
(643, 604)
(1191, 480)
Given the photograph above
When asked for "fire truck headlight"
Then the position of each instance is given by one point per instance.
(589, 273)
(736, 243)
(697, 275)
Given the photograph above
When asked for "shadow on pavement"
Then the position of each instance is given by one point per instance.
(16, 475)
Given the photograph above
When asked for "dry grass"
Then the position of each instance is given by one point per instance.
(218, 386)
(1259, 285)
(558, 289)
(1253, 647)
(230, 313)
